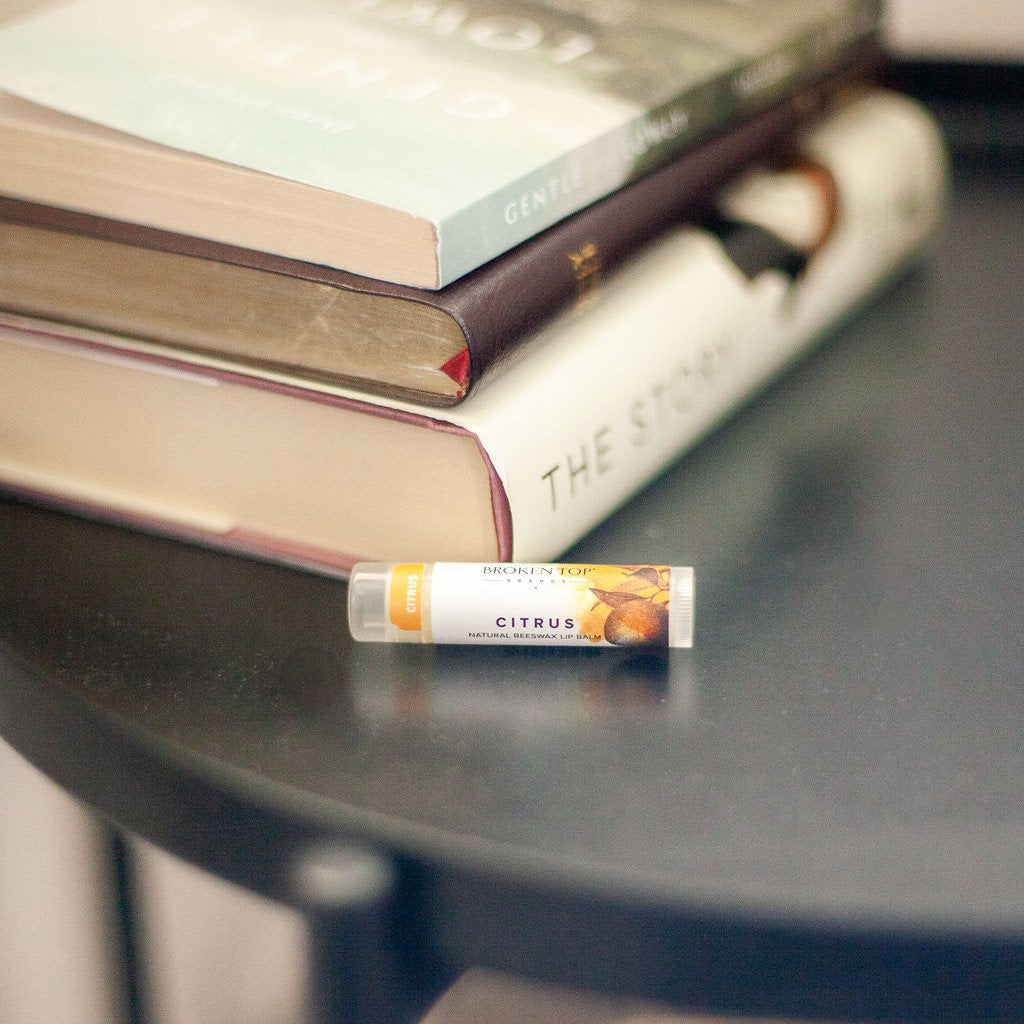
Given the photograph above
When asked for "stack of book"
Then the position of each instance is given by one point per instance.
(388, 280)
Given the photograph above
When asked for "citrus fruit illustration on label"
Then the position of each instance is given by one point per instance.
(629, 605)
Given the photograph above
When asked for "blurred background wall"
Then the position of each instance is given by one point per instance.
(986, 30)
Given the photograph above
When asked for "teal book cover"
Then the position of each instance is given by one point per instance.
(490, 122)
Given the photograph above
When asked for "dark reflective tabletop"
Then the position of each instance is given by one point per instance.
(834, 775)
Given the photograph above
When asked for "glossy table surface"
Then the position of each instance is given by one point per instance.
(819, 810)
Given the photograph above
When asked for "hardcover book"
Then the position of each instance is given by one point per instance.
(401, 141)
(209, 301)
(594, 406)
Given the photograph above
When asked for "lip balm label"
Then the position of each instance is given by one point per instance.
(539, 603)
(559, 604)
(405, 596)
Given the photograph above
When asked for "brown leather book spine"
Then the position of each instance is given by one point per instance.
(513, 295)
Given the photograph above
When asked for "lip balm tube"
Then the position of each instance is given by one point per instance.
(550, 603)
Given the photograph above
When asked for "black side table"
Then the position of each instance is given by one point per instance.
(817, 812)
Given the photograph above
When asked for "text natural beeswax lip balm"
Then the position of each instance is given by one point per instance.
(564, 604)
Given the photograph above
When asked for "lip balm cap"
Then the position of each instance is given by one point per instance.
(680, 603)
(368, 601)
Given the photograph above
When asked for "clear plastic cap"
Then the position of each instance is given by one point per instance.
(368, 606)
(367, 601)
(680, 606)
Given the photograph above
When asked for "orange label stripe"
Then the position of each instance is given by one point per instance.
(405, 597)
